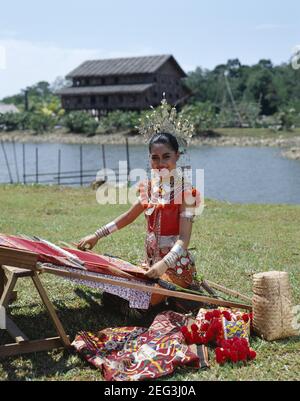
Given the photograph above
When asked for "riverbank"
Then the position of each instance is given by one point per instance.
(230, 241)
(293, 153)
(288, 141)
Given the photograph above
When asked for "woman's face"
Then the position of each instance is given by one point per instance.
(163, 157)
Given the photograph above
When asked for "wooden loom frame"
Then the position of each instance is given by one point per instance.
(18, 263)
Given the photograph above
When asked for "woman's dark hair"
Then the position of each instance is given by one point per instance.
(166, 139)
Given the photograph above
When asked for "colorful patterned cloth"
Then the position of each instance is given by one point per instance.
(137, 353)
(236, 327)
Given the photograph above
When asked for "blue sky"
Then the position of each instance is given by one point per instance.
(40, 40)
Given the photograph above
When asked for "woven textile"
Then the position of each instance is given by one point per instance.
(137, 353)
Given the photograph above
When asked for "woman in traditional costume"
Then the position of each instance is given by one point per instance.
(168, 201)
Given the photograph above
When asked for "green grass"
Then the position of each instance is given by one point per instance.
(232, 242)
(257, 133)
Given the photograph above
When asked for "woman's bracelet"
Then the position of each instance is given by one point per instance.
(171, 258)
(188, 215)
(106, 230)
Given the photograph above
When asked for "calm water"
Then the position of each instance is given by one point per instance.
(245, 175)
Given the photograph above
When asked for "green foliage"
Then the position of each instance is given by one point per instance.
(228, 118)
(39, 95)
(206, 117)
(272, 87)
(41, 122)
(119, 120)
(261, 88)
(201, 115)
(14, 121)
(79, 122)
(245, 113)
(9, 121)
(286, 119)
(249, 112)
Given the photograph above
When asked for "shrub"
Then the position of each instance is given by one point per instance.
(14, 121)
(201, 115)
(41, 123)
(119, 120)
(80, 122)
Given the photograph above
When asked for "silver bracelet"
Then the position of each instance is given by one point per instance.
(171, 259)
(178, 249)
(106, 230)
(188, 215)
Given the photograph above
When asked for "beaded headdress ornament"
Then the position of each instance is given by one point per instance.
(166, 119)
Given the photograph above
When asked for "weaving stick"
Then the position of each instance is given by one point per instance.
(114, 270)
(208, 288)
(144, 287)
(70, 246)
(73, 258)
(228, 291)
(113, 257)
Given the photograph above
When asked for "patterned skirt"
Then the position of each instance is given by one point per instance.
(183, 274)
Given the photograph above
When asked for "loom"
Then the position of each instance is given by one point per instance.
(23, 256)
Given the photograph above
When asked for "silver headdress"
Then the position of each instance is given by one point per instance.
(166, 119)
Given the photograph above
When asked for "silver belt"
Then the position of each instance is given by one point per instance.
(167, 241)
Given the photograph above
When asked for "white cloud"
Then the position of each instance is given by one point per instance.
(27, 62)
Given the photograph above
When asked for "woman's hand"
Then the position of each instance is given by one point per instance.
(157, 270)
(87, 243)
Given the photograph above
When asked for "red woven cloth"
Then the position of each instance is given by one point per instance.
(47, 253)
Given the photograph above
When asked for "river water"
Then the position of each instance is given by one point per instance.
(233, 174)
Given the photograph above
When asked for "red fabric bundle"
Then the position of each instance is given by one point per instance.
(234, 350)
(211, 330)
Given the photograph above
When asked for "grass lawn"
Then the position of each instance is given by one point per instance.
(232, 241)
(258, 133)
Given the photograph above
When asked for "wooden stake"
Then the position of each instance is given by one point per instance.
(59, 327)
(28, 347)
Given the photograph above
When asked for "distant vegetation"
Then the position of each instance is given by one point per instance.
(231, 95)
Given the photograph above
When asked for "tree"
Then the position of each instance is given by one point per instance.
(59, 83)
(261, 88)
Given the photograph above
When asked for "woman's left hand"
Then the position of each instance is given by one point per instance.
(157, 270)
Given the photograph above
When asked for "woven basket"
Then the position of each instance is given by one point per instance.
(272, 305)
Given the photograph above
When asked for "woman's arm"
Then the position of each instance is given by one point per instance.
(128, 217)
(185, 230)
(120, 222)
